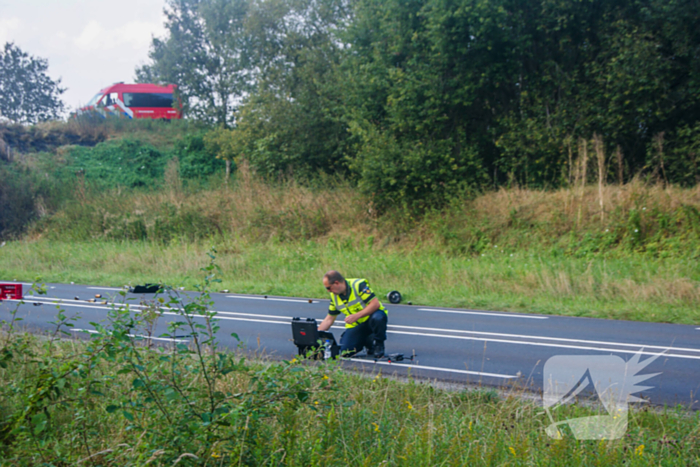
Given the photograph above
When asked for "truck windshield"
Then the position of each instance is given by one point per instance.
(94, 100)
(148, 99)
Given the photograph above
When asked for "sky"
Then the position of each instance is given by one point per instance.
(89, 44)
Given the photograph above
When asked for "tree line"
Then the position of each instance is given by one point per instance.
(418, 101)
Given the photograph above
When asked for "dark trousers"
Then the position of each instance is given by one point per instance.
(363, 335)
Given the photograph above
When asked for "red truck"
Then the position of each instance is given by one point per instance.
(136, 101)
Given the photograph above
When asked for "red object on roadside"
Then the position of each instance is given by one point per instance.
(11, 291)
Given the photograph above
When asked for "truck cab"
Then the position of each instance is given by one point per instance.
(136, 101)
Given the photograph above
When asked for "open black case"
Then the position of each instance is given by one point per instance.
(307, 338)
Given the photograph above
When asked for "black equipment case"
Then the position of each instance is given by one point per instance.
(307, 338)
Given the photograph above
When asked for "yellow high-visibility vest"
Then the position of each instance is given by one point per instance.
(355, 302)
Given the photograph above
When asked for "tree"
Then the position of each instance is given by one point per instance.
(27, 94)
(206, 54)
(293, 123)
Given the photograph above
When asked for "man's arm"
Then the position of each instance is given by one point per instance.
(327, 322)
(371, 307)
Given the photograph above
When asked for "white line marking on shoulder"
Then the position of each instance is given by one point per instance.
(92, 331)
(497, 315)
(434, 368)
(544, 344)
(273, 299)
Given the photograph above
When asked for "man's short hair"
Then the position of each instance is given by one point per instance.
(333, 277)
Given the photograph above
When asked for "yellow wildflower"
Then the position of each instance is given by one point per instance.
(376, 427)
(512, 450)
(639, 450)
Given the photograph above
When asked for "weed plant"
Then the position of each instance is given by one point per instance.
(114, 399)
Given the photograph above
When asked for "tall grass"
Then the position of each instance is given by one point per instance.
(632, 288)
(516, 249)
(640, 218)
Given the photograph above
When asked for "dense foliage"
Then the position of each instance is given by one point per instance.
(423, 99)
(55, 165)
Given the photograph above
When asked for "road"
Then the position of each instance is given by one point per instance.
(452, 345)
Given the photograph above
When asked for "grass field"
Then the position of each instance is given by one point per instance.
(514, 250)
(518, 250)
(630, 287)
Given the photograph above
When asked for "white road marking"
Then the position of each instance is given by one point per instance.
(497, 315)
(273, 299)
(92, 331)
(435, 368)
(104, 288)
(544, 344)
(286, 320)
(560, 339)
(228, 318)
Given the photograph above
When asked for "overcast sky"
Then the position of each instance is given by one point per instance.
(89, 44)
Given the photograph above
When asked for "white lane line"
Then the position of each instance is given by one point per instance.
(104, 288)
(544, 344)
(286, 320)
(497, 315)
(228, 318)
(273, 299)
(559, 339)
(434, 368)
(92, 331)
(63, 301)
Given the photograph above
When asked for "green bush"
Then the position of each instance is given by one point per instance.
(189, 224)
(415, 174)
(196, 162)
(682, 164)
(25, 197)
(127, 163)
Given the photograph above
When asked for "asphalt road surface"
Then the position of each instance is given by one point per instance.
(459, 346)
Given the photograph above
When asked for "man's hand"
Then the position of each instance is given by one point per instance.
(368, 310)
(326, 323)
(352, 318)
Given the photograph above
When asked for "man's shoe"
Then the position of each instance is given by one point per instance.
(378, 349)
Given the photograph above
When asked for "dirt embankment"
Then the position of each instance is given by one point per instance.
(16, 138)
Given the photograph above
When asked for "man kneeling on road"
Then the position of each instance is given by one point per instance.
(365, 317)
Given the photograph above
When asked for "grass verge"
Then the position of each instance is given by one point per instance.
(629, 288)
